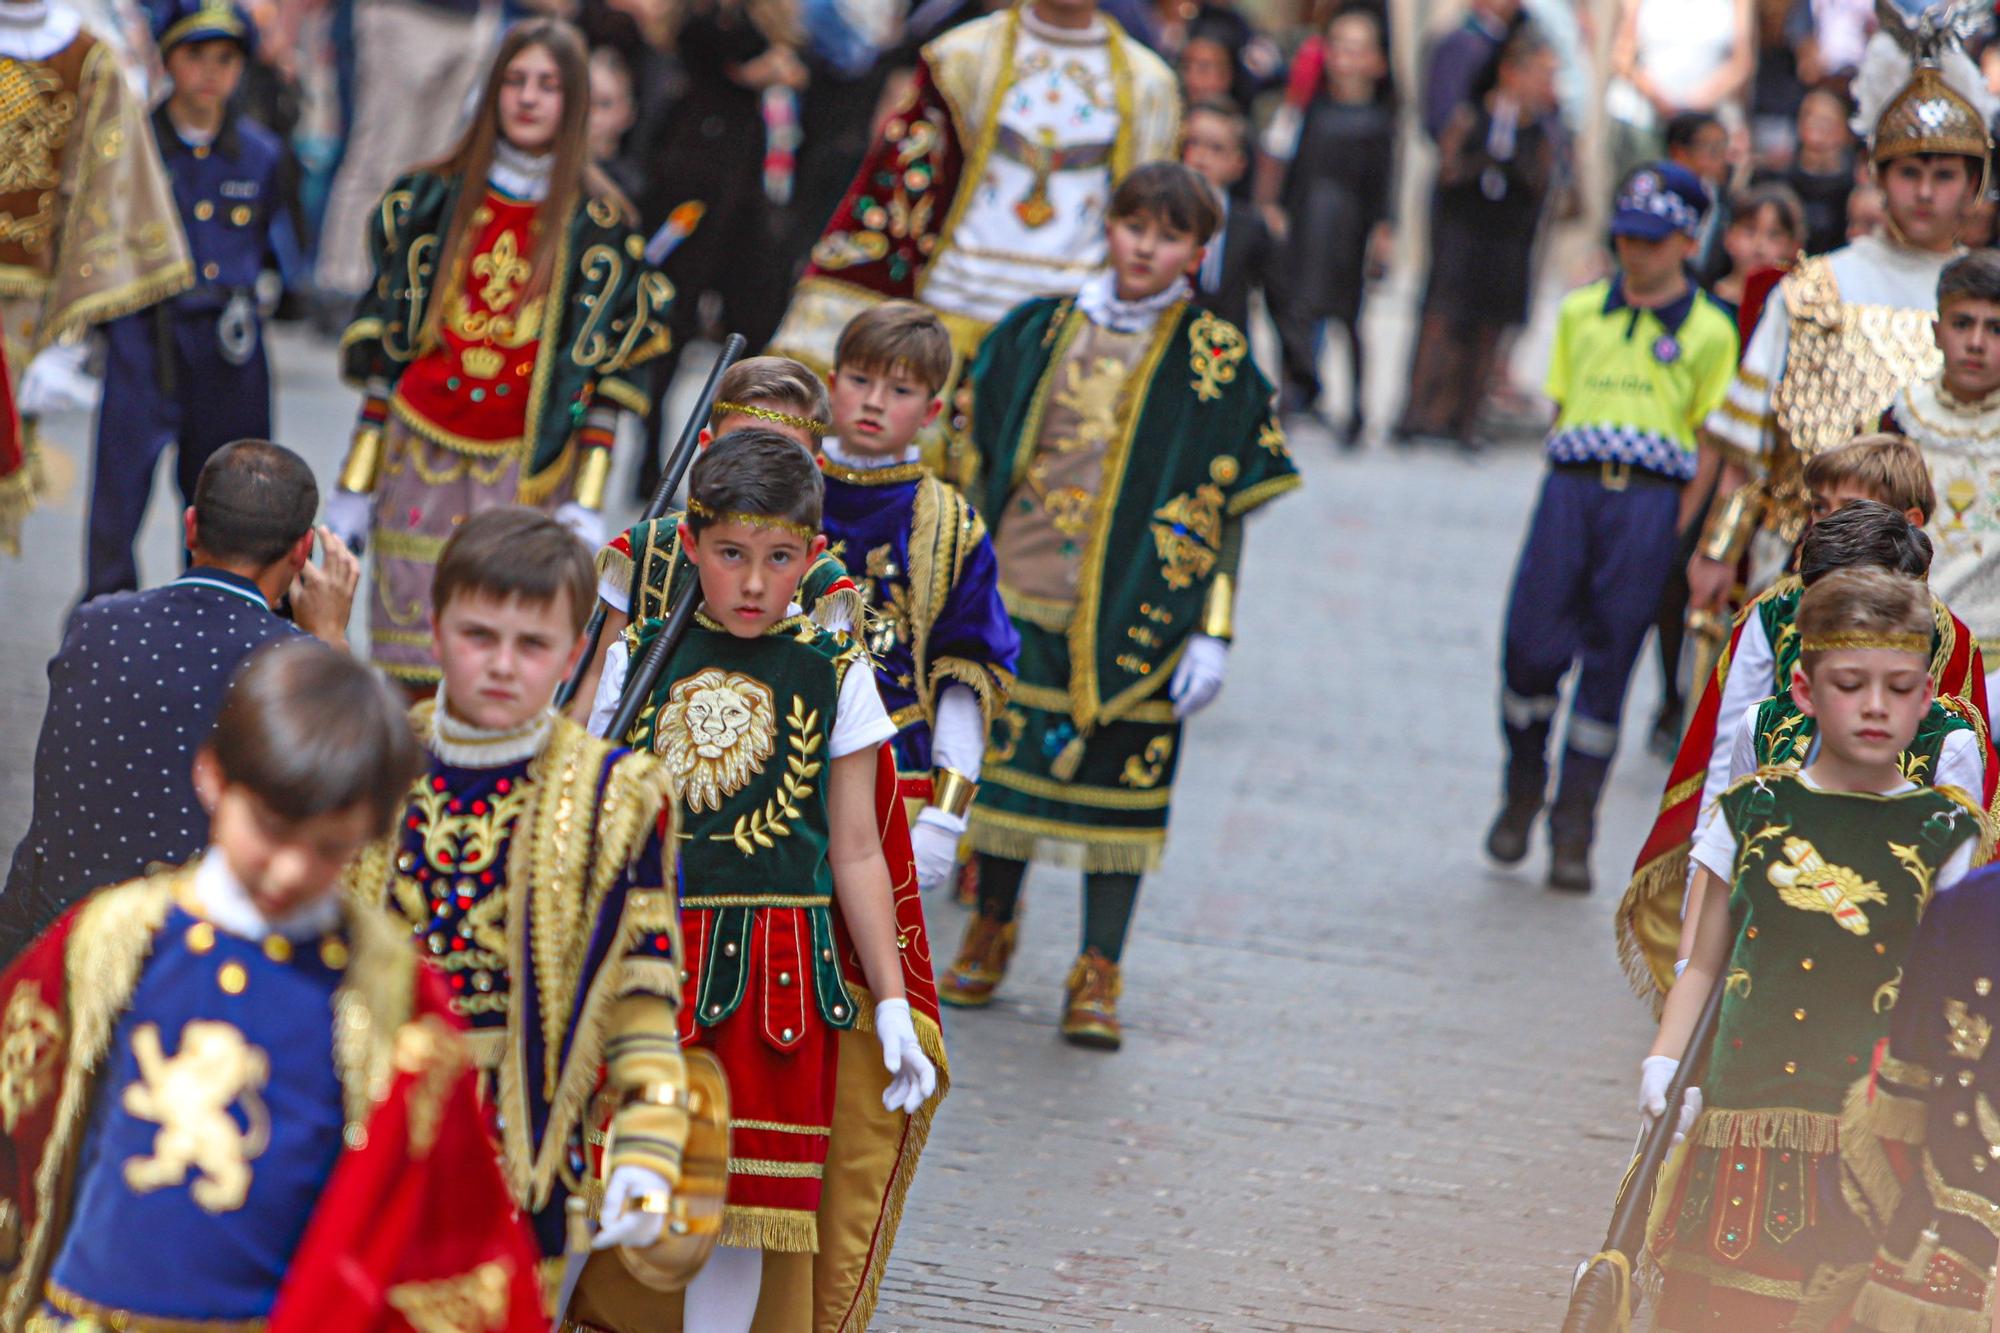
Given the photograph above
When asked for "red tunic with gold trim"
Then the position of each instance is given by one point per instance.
(404, 1216)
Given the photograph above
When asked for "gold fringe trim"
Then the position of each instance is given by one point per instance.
(1665, 873)
(614, 566)
(827, 611)
(1073, 847)
(1828, 1294)
(781, 1230)
(1811, 1132)
(1868, 1183)
(19, 493)
(86, 313)
(1884, 1307)
(989, 683)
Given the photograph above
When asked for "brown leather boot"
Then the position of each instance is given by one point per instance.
(982, 963)
(1091, 1016)
(965, 889)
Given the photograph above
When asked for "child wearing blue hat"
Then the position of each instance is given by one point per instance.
(190, 371)
(1640, 358)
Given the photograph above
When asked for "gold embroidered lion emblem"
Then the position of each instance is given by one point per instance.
(189, 1097)
(716, 732)
(1808, 881)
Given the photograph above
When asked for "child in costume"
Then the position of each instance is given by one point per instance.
(235, 1099)
(496, 346)
(530, 866)
(190, 371)
(1639, 360)
(943, 648)
(1756, 664)
(1809, 887)
(769, 726)
(642, 570)
(1123, 435)
(1918, 1138)
(1953, 417)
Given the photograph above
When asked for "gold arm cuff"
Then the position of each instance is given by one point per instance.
(1730, 524)
(1218, 612)
(364, 460)
(660, 1094)
(952, 791)
(652, 1201)
(591, 477)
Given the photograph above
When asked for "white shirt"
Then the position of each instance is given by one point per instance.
(1748, 684)
(1961, 761)
(221, 900)
(1716, 851)
(859, 720)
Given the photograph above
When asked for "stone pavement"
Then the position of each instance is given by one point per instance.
(1370, 1083)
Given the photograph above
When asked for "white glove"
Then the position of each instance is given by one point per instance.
(913, 1077)
(635, 1229)
(57, 381)
(1655, 1073)
(935, 841)
(349, 514)
(1198, 679)
(587, 524)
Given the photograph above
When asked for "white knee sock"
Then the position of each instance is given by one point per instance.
(723, 1296)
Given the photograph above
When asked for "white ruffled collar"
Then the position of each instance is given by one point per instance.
(1094, 35)
(463, 745)
(866, 463)
(520, 175)
(1098, 299)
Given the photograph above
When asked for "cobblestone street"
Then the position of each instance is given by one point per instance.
(1369, 1081)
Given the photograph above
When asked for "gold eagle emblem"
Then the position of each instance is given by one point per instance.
(717, 730)
(1808, 881)
(189, 1097)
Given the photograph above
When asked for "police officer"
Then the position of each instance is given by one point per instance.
(190, 371)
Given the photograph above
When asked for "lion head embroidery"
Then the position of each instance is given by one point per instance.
(717, 730)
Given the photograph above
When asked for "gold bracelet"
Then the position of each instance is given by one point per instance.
(659, 1094)
(1730, 524)
(952, 791)
(364, 459)
(591, 476)
(1218, 612)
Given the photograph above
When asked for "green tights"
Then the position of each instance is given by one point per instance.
(1108, 900)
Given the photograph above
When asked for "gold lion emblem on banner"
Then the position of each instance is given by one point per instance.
(716, 732)
(189, 1097)
(1808, 881)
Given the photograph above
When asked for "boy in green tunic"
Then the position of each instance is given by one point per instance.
(1808, 890)
(1123, 434)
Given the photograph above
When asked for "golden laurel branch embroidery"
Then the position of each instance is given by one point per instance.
(803, 739)
(1271, 437)
(189, 1097)
(1187, 533)
(1783, 733)
(1737, 982)
(29, 1036)
(466, 843)
(1146, 771)
(1809, 882)
(718, 729)
(1915, 864)
(1218, 347)
(1969, 1031)
(1888, 993)
(1913, 766)
(474, 1302)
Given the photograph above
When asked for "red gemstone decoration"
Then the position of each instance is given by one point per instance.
(437, 784)
(458, 944)
(503, 786)
(479, 807)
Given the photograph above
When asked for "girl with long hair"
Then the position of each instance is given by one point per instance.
(510, 305)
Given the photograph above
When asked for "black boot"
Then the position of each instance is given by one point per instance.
(1573, 817)
(1527, 782)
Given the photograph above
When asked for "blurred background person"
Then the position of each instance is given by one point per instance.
(1670, 56)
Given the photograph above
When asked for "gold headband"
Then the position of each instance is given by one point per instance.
(1894, 643)
(771, 414)
(770, 521)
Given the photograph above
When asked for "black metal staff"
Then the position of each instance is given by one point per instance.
(646, 671)
(670, 481)
(1601, 1298)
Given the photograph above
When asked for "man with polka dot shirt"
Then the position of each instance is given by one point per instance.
(138, 678)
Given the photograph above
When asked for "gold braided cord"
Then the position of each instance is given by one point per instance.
(770, 521)
(1861, 639)
(810, 425)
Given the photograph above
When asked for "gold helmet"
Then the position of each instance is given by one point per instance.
(1917, 90)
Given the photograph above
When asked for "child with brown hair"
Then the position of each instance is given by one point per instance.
(531, 864)
(1124, 435)
(1807, 890)
(363, 1170)
(943, 648)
